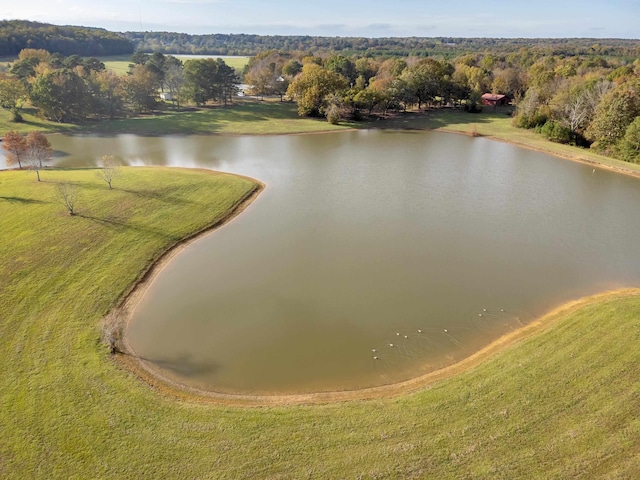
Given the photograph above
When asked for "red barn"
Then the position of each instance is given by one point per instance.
(494, 100)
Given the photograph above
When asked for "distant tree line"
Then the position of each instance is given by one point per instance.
(445, 47)
(16, 35)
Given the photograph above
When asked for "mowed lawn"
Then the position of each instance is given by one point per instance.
(560, 404)
(243, 117)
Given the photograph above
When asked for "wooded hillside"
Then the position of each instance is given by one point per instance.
(16, 35)
(446, 47)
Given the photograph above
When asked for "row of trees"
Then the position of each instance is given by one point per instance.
(16, 35)
(443, 47)
(74, 89)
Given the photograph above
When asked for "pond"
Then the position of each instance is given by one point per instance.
(372, 257)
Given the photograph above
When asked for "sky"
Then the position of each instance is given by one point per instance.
(365, 18)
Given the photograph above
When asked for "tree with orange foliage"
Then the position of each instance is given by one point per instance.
(16, 146)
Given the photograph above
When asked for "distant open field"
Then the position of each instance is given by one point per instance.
(120, 63)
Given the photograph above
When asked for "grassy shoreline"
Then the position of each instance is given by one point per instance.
(558, 404)
(561, 403)
(272, 117)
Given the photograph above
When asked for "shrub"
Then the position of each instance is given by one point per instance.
(473, 107)
(534, 120)
(333, 114)
(557, 132)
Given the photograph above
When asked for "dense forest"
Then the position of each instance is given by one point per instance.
(16, 35)
(445, 47)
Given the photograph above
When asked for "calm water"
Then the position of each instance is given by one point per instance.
(363, 238)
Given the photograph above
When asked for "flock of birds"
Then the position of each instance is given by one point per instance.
(432, 337)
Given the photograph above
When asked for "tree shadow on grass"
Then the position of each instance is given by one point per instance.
(159, 195)
(201, 121)
(22, 200)
(120, 225)
(431, 119)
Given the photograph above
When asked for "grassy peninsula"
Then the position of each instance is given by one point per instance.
(560, 404)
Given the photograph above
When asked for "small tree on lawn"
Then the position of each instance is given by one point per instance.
(16, 146)
(109, 170)
(39, 151)
(112, 331)
(67, 194)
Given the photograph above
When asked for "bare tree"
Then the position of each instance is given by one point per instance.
(39, 151)
(109, 170)
(112, 331)
(577, 112)
(67, 194)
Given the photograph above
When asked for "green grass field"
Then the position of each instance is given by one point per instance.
(561, 404)
(244, 117)
(32, 123)
(120, 63)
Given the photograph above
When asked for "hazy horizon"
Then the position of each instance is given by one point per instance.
(407, 18)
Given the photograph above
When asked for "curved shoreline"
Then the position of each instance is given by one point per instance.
(563, 156)
(176, 390)
(130, 299)
(166, 386)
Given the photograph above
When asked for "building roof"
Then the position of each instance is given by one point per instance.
(491, 96)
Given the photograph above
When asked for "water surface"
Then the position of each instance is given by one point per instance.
(363, 238)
